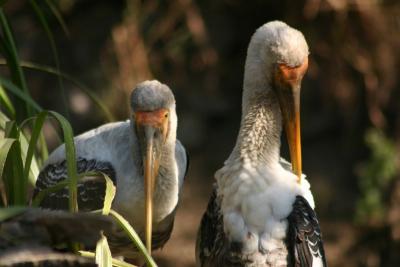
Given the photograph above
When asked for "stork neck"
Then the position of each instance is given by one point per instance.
(258, 141)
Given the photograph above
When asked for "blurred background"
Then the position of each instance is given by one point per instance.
(350, 98)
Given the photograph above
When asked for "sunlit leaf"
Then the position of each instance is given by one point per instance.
(109, 194)
(115, 262)
(37, 127)
(5, 146)
(6, 102)
(134, 237)
(103, 253)
(71, 159)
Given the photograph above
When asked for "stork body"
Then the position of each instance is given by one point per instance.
(261, 212)
(119, 150)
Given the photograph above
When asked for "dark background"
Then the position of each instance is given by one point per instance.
(350, 98)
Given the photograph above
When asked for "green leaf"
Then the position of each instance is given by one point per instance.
(134, 237)
(115, 262)
(109, 195)
(3, 120)
(6, 213)
(37, 128)
(53, 47)
(85, 89)
(11, 172)
(58, 16)
(5, 146)
(51, 189)
(6, 102)
(103, 253)
(71, 160)
(9, 50)
(20, 94)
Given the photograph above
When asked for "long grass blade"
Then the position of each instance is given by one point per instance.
(19, 182)
(43, 21)
(11, 171)
(5, 146)
(36, 130)
(109, 194)
(11, 54)
(115, 262)
(6, 213)
(43, 193)
(103, 253)
(23, 139)
(44, 152)
(22, 95)
(71, 159)
(124, 224)
(3, 120)
(58, 16)
(6, 103)
(89, 92)
(15, 183)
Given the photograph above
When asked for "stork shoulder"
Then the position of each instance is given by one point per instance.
(182, 160)
(95, 143)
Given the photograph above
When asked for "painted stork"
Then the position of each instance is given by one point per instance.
(143, 158)
(261, 213)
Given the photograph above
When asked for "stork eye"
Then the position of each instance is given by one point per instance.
(166, 115)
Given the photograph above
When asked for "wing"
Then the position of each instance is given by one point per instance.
(91, 190)
(212, 246)
(182, 159)
(209, 234)
(304, 236)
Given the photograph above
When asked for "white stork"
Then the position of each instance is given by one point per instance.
(143, 158)
(261, 213)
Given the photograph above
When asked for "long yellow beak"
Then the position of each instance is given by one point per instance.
(288, 83)
(150, 128)
(149, 181)
(291, 119)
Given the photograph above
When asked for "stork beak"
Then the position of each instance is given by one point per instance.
(151, 131)
(288, 83)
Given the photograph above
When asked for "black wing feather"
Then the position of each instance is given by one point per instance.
(213, 247)
(304, 235)
(91, 190)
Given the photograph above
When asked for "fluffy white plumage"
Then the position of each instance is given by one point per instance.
(256, 187)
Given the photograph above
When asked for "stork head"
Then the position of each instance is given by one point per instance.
(281, 53)
(152, 105)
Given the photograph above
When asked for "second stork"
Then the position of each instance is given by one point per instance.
(143, 158)
(261, 212)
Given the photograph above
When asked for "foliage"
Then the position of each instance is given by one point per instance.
(375, 176)
(23, 147)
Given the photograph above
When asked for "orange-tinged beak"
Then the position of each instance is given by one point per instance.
(152, 130)
(288, 83)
